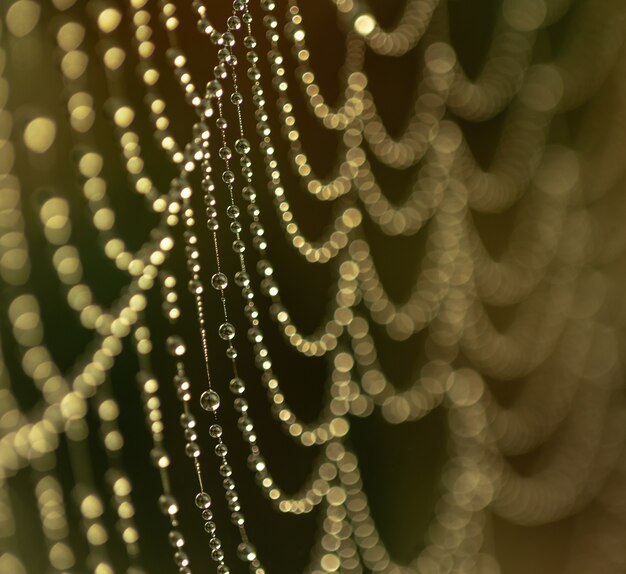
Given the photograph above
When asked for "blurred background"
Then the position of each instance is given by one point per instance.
(525, 100)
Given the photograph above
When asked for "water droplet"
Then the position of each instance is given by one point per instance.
(175, 346)
(237, 386)
(226, 331)
(203, 500)
(195, 287)
(246, 552)
(219, 281)
(210, 401)
(215, 431)
(176, 539)
(242, 146)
